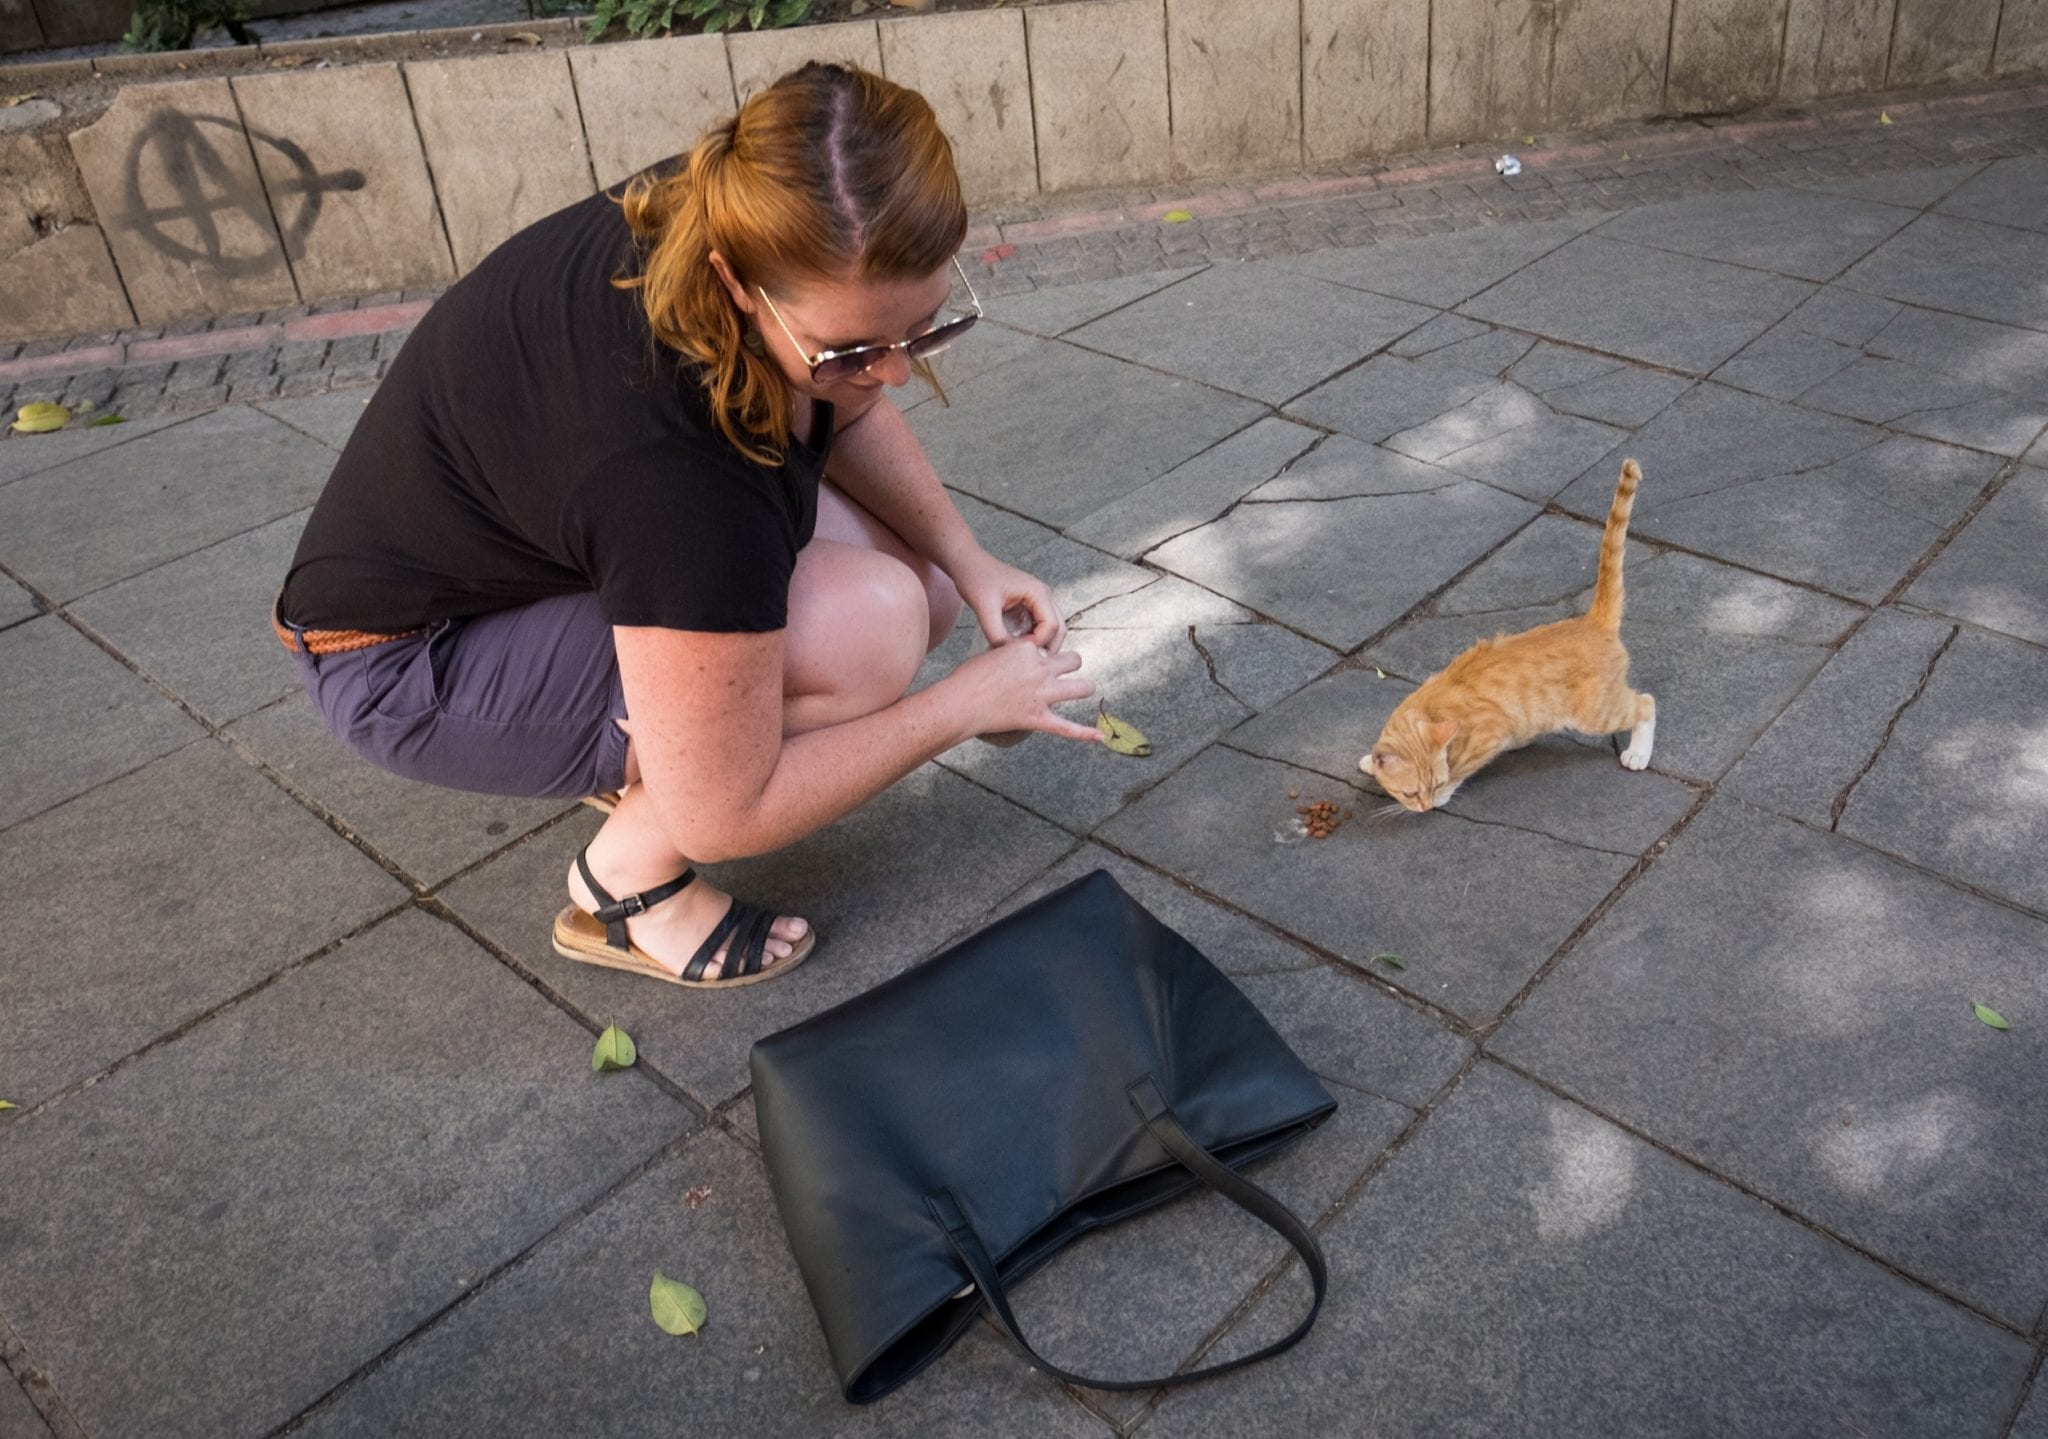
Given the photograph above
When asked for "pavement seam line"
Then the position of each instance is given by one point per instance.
(669, 1149)
(1841, 801)
(1741, 1187)
(2004, 476)
(37, 1386)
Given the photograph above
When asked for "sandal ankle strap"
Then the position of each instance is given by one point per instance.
(613, 913)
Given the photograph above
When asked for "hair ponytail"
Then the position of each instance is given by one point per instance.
(828, 173)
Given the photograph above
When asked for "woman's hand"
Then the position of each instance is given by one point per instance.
(1013, 686)
(1008, 603)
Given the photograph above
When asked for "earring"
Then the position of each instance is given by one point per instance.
(756, 343)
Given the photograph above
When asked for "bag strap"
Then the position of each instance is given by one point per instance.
(1213, 1172)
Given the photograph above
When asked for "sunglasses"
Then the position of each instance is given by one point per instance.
(830, 366)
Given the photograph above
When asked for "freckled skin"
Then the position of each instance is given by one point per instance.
(1506, 691)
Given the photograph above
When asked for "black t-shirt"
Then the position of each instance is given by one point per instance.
(531, 439)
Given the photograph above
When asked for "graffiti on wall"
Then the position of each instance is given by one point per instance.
(187, 201)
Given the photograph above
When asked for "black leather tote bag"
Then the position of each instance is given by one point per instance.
(936, 1139)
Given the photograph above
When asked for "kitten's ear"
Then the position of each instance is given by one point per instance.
(1441, 732)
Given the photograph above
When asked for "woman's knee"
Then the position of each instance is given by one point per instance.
(860, 625)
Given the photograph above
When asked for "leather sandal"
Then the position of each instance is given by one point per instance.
(600, 938)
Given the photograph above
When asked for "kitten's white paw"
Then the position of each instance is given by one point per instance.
(1633, 758)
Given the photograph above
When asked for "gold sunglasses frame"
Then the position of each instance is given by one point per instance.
(877, 352)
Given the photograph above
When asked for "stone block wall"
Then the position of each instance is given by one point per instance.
(249, 186)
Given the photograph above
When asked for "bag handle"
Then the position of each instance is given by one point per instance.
(1159, 1119)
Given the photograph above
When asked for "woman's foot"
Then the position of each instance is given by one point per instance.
(671, 932)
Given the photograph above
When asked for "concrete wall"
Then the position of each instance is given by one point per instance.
(32, 24)
(252, 186)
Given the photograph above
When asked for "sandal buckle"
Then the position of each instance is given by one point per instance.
(631, 905)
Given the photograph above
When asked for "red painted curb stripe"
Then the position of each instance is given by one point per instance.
(64, 362)
(343, 324)
(207, 342)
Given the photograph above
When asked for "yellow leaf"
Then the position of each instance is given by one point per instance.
(41, 417)
(6, 1104)
(8, 102)
(1123, 738)
(1528, 139)
(1884, 117)
(1176, 217)
(523, 37)
(1378, 672)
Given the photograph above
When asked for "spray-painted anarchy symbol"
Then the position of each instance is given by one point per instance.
(203, 186)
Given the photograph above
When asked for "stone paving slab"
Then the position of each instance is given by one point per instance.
(18, 1417)
(16, 604)
(1991, 573)
(967, 847)
(1922, 402)
(1619, 298)
(1060, 308)
(1009, 537)
(2033, 1420)
(200, 626)
(1388, 394)
(1341, 570)
(1060, 432)
(1510, 439)
(1226, 822)
(22, 455)
(330, 419)
(1796, 233)
(1972, 268)
(1572, 789)
(2012, 191)
(1523, 1269)
(1722, 650)
(1197, 491)
(1963, 787)
(1688, 1017)
(1820, 745)
(428, 840)
(1198, 328)
(426, 1116)
(1913, 189)
(1136, 1300)
(155, 898)
(1443, 270)
(106, 516)
(564, 1338)
(112, 721)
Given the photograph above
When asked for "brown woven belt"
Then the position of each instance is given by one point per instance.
(330, 642)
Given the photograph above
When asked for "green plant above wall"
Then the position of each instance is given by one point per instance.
(655, 17)
(172, 24)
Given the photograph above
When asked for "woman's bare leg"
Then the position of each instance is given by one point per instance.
(863, 612)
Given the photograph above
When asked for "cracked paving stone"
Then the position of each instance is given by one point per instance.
(1340, 570)
(1197, 329)
(1193, 493)
(1979, 352)
(1619, 298)
(1991, 574)
(561, 1337)
(1523, 1269)
(988, 348)
(1828, 735)
(1510, 439)
(1343, 468)
(1388, 394)
(1055, 309)
(1962, 787)
(1687, 1015)
(1913, 189)
(1946, 263)
(1443, 331)
(1081, 576)
(1784, 363)
(1006, 536)
(1227, 823)
(1906, 397)
(1442, 270)
(1799, 233)
(1168, 600)
(1628, 396)
(1158, 680)
(1059, 432)
(1261, 664)
(2012, 191)
(1721, 649)
(1491, 354)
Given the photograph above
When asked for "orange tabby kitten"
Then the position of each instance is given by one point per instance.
(1504, 692)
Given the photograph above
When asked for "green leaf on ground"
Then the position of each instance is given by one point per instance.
(1391, 961)
(677, 1308)
(1176, 217)
(614, 1050)
(1884, 117)
(6, 1104)
(1122, 738)
(108, 419)
(1992, 1017)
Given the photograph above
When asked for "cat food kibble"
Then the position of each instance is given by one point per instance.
(1321, 818)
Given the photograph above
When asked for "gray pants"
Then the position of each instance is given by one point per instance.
(525, 702)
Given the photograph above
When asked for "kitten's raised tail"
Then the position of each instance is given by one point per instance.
(1607, 590)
